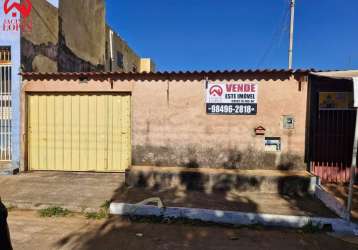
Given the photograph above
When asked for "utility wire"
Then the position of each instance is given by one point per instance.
(277, 35)
(284, 31)
(285, 28)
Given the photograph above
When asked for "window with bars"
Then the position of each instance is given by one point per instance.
(5, 85)
(5, 105)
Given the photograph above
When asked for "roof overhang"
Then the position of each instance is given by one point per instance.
(343, 75)
(346, 74)
(169, 73)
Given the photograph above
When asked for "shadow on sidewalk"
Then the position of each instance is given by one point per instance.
(119, 233)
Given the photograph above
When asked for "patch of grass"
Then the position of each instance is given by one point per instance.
(102, 214)
(54, 212)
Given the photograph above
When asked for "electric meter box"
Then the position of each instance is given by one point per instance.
(288, 122)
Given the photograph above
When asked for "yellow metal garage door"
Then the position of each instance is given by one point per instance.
(79, 132)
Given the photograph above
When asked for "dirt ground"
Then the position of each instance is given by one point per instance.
(29, 231)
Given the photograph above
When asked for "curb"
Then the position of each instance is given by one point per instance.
(331, 202)
(233, 218)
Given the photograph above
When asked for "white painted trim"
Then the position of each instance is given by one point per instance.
(355, 91)
(354, 152)
(231, 217)
(331, 202)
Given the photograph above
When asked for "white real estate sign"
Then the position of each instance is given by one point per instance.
(231, 98)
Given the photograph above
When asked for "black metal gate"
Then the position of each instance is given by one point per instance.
(331, 130)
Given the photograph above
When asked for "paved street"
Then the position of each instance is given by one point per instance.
(29, 231)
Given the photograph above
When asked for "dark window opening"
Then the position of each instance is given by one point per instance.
(119, 59)
(106, 51)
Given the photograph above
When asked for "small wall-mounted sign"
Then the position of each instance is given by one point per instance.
(335, 100)
(260, 130)
(288, 122)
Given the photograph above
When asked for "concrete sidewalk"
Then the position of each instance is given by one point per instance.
(88, 191)
(75, 191)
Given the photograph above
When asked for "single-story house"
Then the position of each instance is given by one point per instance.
(106, 122)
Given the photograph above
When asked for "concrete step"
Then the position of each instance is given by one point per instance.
(222, 180)
(8, 169)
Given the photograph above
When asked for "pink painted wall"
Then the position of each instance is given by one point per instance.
(170, 126)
